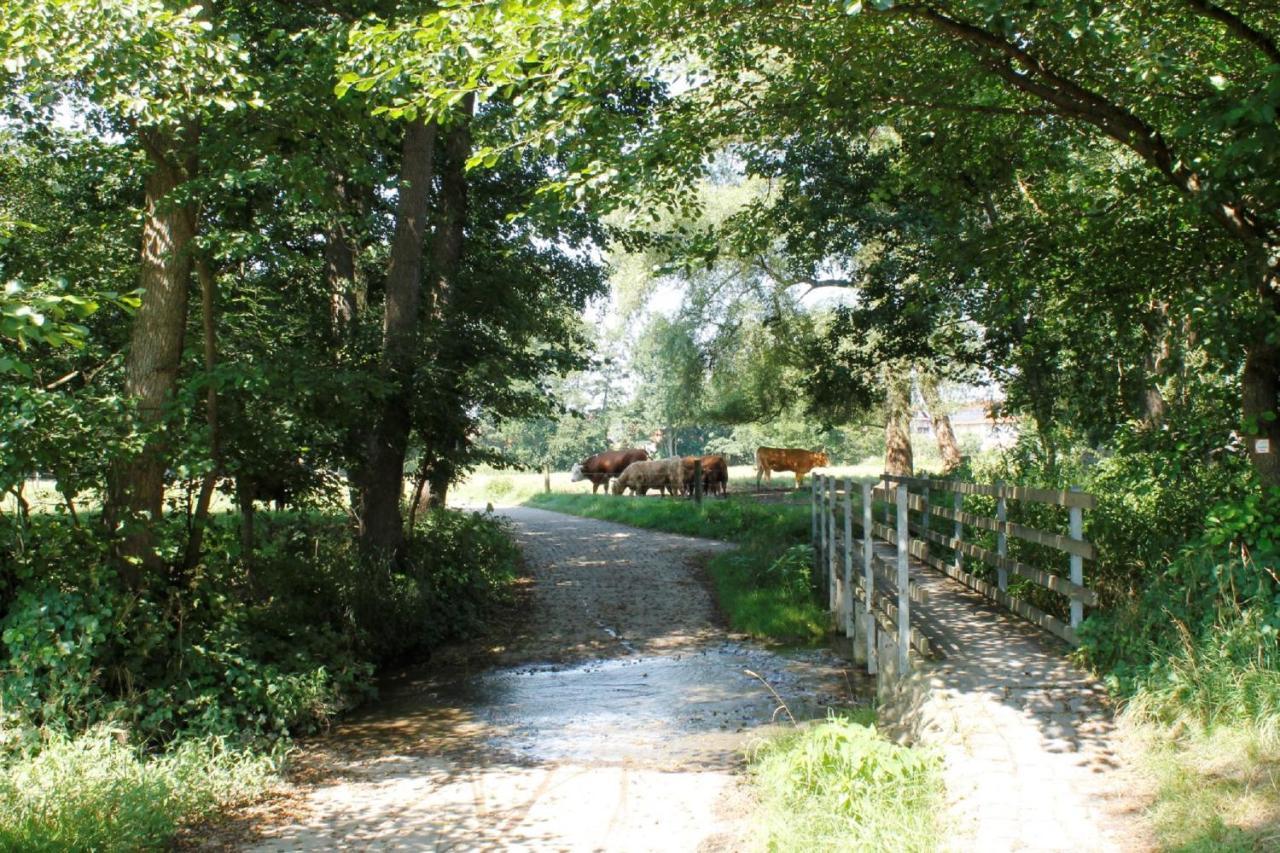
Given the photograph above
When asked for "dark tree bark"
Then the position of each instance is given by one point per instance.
(135, 489)
(898, 458)
(382, 477)
(340, 269)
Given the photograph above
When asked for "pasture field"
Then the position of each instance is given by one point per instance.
(509, 487)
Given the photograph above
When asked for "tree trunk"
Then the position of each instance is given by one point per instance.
(941, 421)
(382, 477)
(208, 287)
(135, 489)
(898, 458)
(340, 269)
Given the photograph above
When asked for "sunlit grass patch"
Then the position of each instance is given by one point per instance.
(1216, 789)
(840, 785)
(94, 792)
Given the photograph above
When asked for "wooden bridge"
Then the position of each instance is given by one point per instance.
(877, 569)
(955, 624)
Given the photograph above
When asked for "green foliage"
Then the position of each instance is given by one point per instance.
(839, 785)
(458, 565)
(97, 792)
(264, 656)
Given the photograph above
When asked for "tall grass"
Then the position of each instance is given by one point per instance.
(95, 792)
(840, 785)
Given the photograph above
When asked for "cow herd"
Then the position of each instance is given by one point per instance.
(633, 470)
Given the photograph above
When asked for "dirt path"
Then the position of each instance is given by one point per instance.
(612, 718)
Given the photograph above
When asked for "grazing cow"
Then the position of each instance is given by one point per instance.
(715, 475)
(599, 468)
(666, 475)
(770, 459)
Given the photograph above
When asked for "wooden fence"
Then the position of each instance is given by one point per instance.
(845, 534)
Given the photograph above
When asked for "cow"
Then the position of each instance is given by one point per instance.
(667, 475)
(599, 468)
(770, 459)
(715, 474)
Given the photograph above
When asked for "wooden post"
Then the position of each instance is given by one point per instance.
(822, 532)
(846, 602)
(957, 503)
(1002, 538)
(813, 519)
(925, 517)
(1077, 562)
(697, 481)
(833, 551)
(546, 477)
(868, 578)
(904, 599)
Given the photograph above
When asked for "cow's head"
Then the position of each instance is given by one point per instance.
(617, 487)
(823, 459)
(575, 473)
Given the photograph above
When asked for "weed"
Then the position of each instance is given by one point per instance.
(840, 785)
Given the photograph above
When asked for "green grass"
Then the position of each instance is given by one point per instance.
(840, 785)
(1216, 789)
(94, 792)
(762, 586)
(735, 518)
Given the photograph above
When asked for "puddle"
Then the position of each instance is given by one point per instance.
(695, 709)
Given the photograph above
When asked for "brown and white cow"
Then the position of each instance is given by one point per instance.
(715, 474)
(770, 459)
(602, 466)
(667, 475)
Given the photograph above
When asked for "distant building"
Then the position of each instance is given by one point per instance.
(974, 424)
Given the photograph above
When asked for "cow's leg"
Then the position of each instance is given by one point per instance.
(799, 479)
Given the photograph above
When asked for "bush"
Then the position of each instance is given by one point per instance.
(264, 653)
(459, 565)
(96, 792)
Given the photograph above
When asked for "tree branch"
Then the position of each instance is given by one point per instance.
(1238, 27)
(1026, 73)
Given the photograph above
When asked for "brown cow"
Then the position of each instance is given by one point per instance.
(715, 475)
(599, 468)
(770, 459)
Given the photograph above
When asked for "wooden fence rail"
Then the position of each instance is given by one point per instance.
(845, 536)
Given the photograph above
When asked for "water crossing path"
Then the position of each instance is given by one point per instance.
(613, 718)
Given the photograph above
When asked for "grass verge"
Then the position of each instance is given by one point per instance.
(93, 792)
(1216, 789)
(839, 785)
(763, 586)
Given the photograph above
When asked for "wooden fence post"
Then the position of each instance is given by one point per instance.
(868, 578)
(546, 477)
(957, 503)
(813, 520)
(1002, 538)
(1077, 562)
(904, 598)
(846, 602)
(833, 551)
(697, 481)
(925, 518)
